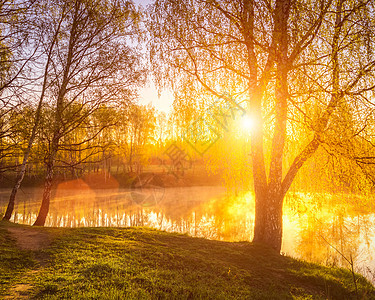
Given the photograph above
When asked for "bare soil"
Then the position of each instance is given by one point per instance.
(29, 239)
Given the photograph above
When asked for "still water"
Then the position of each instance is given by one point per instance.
(328, 229)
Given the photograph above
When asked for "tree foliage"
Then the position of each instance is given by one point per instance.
(300, 65)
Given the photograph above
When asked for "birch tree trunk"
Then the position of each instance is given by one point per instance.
(38, 111)
(44, 208)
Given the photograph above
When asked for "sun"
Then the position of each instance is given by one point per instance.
(247, 123)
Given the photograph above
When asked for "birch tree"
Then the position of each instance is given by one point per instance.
(92, 65)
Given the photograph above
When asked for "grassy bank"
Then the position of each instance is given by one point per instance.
(139, 263)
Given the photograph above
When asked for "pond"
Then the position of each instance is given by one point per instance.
(323, 228)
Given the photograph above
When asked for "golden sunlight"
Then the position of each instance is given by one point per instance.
(232, 122)
(247, 123)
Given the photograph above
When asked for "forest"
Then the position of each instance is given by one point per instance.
(270, 137)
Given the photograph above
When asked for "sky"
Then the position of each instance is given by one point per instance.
(149, 93)
(143, 2)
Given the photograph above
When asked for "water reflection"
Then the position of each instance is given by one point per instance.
(331, 230)
(317, 227)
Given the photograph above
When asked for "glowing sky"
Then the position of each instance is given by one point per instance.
(149, 93)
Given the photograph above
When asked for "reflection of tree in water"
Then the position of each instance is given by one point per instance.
(199, 213)
(329, 226)
(232, 218)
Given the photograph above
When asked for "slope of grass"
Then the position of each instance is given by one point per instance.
(140, 263)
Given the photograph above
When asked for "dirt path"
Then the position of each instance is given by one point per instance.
(29, 239)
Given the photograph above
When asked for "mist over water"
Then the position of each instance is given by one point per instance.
(317, 227)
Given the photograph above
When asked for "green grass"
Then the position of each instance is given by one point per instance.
(140, 263)
(13, 261)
